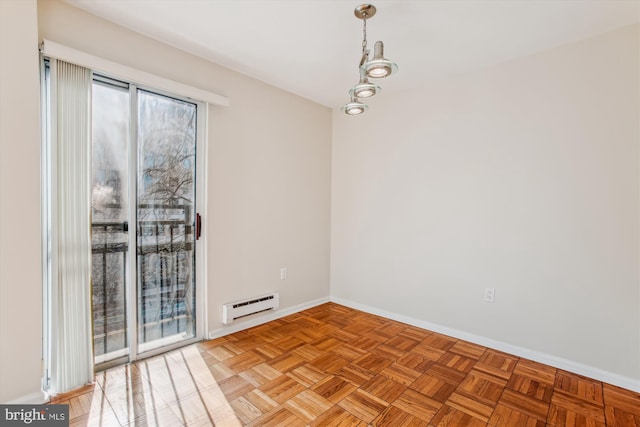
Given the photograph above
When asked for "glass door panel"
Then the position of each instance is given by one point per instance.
(166, 141)
(109, 210)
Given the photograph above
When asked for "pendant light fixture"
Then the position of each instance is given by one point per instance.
(364, 89)
(379, 67)
(375, 68)
(355, 107)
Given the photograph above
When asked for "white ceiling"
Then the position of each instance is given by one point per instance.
(312, 47)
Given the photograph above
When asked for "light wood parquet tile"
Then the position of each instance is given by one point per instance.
(578, 386)
(522, 403)
(333, 388)
(260, 374)
(335, 366)
(427, 352)
(343, 336)
(221, 353)
(327, 343)
(466, 403)
(245, 410)
(497, 363)
(235, 386)
(243, 361)
(329, 363)
(504, 415)
(249, 342)
(449, 375)
(400, 374)
(448, 416)
(366, 343)
(622, 407)
(377, 336)
(288, 343)
(337, 417)
(401, 342)
(531, 387)
(354, 374)
(282, 388)
(348, 352)
(363, 405)
(306, 375)
(457, 362)
(372, 362)
(391, 329)
(535, 371)
(388, 352)
(482, 387)
(220, 372)
(260, 401)
(286, 362)
(415, 333)
(308, 335)
(467, 349)
(308, 405)
(441, 342)
(576, 400)
(232, 347)
(415, 362)
(270, 335)
(564, 407)
(394, 416)
(433, 387)
(268, 351)
(417, 404)
(384, 388)
(279, 417)
(307, 352)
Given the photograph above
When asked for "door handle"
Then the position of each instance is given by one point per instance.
(198, 226)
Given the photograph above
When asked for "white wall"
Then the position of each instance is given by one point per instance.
(523, 177)
(269, 154)
(20, 272)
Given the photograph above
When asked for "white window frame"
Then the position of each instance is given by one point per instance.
(122, 72)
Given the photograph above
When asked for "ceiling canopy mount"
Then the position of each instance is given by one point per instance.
(365, 11)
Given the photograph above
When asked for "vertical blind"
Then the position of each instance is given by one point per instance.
(72, 354)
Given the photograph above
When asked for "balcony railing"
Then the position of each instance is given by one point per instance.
(164, 292)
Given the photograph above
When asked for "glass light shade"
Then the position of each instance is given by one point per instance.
(354, 108)
(364, 89)
(379, 67)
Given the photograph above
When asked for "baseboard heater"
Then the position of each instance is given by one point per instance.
(238, 309)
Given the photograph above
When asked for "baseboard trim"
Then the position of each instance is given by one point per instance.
(547, 359)
(35, 398)
(267, 317)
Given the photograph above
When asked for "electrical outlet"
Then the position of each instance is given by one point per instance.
(283, 273)
(490, 294)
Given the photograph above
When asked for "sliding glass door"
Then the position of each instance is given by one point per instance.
(165, 220)
(109, 219)
(143, 221)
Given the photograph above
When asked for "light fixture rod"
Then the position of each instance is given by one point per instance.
(364, 36)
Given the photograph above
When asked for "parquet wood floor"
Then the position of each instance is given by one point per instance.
(335, 366)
